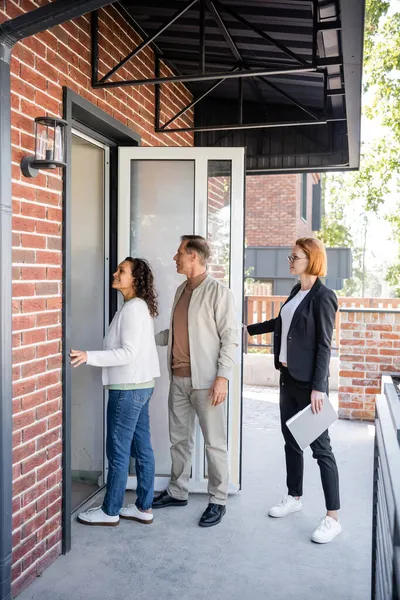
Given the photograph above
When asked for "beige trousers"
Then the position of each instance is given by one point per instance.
(184, 403)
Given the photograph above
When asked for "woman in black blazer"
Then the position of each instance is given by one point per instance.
(302, 349)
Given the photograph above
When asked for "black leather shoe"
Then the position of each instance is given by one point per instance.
(164, 499)
(212, 515)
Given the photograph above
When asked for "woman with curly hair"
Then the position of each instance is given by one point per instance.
(130, 363)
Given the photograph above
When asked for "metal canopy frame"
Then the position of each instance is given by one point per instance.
(221, 69)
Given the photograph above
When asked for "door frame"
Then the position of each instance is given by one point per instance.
(86, 118)
(201, 156)
(107, 275)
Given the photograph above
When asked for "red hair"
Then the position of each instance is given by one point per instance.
(316, 254)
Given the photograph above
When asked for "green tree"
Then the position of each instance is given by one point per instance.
(362, 194)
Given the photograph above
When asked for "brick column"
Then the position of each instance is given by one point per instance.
(369, 347)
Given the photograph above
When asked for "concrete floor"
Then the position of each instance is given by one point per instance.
(249, 556)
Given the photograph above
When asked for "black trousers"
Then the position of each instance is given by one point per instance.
(294, 396)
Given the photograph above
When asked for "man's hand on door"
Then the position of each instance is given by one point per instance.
(218, 391)
(78, 357)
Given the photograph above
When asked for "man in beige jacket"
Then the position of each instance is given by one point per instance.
(202, 341)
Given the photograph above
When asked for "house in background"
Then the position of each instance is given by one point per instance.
(280, 209)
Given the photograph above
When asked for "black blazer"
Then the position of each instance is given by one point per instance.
(309, 337)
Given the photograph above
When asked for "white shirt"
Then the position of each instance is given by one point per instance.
(287, 313)
(130, 354)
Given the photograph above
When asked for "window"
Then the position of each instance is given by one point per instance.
(303, 197)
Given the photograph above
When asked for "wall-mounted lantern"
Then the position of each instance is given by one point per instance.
(49, 146)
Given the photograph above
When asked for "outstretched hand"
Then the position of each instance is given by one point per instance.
(78, 357)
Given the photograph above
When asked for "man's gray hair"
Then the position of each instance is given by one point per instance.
(196, 243)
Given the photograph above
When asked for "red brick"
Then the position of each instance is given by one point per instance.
(33, 241)
(54, 333)
(48, 439)
(34, 431)
(47, 228)
(34, 525)
(33, 210)
(48, 318)
(47, 102)
(55, 450)
(55, 420)
(49, 468)
(23, 549)
(23, 355)
(353, 343)
(54, 243)
(34, 336)
(33, 462)
(34, 493)
(23, 581)
(54, 539)
(21, 322)
(54, 362)
(48, 258)
(381, 327)
(46, 288)
(20, 255)
(33, 273)
(351, 373)
(47, 380)
(48, 349)
(47, 409)
(52, 511)
(22, 420)
(33, 305)
(23, 483)
(33, 368)
(54, 214)
(54, 303)
(48, 558)
(16, 439)
(33, 400)
(23, 289)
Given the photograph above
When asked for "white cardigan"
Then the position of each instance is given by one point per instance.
(130, 354)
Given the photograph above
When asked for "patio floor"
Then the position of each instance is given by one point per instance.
(249, 555)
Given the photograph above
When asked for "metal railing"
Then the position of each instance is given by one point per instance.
(385, 584)
(262, 308)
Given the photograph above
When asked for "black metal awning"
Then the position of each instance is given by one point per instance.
(281, 77)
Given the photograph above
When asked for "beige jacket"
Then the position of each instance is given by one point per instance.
(213, 332)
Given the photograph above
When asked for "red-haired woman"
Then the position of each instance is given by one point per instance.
(302, 349)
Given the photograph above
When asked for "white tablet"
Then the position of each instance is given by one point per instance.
(306, 426)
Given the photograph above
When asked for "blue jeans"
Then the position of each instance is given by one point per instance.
(128, 434)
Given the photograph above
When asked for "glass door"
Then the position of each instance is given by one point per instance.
(89, 288)
(163, 194)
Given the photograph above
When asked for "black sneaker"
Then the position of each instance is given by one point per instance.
(212, 515)
(164, 499)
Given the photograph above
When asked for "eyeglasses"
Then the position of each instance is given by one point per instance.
(292, 258)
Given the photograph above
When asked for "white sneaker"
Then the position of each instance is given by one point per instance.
(285, 507)
(96, 516)
(327, 530)
(134, 514)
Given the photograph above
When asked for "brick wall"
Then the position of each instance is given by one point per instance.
(218, 233)
(273, 216)
(369, 347)
(41, 66)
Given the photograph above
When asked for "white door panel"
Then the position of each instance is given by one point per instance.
(163, 194)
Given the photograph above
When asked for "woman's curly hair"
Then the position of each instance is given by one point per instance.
(144, 283)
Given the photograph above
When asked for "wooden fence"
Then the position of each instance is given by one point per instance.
(263, 308)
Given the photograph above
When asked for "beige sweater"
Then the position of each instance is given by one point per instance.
(213, 332)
